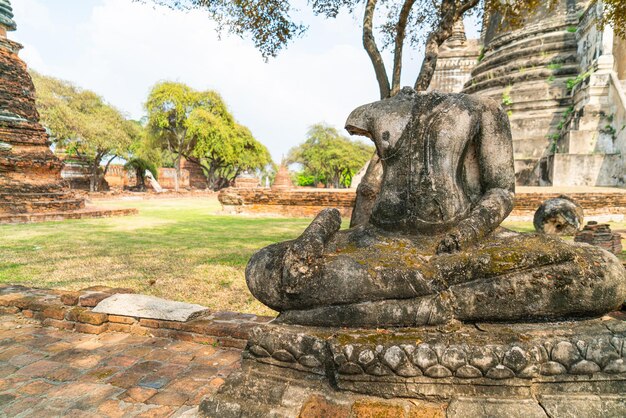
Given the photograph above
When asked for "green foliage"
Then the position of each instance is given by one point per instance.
(614, 14)
(82, 124)
(506, 96)
(304, 179)
(572, 29)
(197, 125)
(571, 83)
(329, 157)
(554, 66)
(481, 56)
(139, 166)
(554, 137)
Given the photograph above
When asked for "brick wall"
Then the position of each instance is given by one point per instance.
(307, 202)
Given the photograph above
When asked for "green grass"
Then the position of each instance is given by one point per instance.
(177, 249)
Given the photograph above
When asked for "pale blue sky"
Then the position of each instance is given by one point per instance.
(120, 48)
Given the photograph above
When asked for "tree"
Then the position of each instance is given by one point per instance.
(330, 157)
(82, 124)
(225, 151)
(140, 166)
(198, 126)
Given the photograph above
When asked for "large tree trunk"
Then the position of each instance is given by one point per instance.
(450, 13)
(369, 43)
(399, 45)
(177, 173)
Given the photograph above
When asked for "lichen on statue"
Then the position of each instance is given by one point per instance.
(433, 250)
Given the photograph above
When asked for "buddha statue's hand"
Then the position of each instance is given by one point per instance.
(456, 240)
(301, 260)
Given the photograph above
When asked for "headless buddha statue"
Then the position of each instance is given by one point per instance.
(433, 250)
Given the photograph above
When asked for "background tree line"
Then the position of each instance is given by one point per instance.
(181, 122)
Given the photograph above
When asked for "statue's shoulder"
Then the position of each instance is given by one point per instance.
(478, 103)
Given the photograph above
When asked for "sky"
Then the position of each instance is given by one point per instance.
(121, 48)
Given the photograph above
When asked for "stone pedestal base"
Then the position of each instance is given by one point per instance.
(563, 369)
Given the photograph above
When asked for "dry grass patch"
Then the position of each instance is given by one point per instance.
(176, 249)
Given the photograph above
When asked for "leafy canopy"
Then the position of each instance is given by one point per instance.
(329, 157)
(197, 125)
(80, 122)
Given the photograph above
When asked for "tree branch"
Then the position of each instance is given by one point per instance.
(450, 13)
(399, 45)
(369, 43)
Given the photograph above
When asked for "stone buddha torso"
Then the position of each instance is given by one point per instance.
(432, 250)
(430, 178)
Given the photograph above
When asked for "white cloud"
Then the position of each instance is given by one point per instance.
(120, 48)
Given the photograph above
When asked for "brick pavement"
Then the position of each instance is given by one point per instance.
(47, 372)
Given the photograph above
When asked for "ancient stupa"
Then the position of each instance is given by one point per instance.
(282, 179)
(30, 174)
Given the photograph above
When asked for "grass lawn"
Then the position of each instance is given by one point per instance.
(177, 249)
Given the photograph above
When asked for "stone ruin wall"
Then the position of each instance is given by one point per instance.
(561, 136)
(302, 202)
(30, 178)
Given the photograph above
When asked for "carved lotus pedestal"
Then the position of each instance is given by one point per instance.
(566, 369)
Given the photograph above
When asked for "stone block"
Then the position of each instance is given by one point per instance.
(149, 323)
(122, 319)
(584, 405)
(319, 407)
(149, 307)
(117, 327)
(92, 299)
(60, 324)
(92, 318)
(70, 298)
(377, 409)
(73, 313)
(492, 407)
(54, 312)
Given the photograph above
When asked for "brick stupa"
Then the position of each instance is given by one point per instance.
(30, 174)
(282, 179)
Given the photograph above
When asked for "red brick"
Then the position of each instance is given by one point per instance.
(54, 312)
(212, 328)
(122, 319)
(70, 298)
(48, 322)
(169, 398)
(10, 299)
(115, 327)
(93, 318)
(172, 325)
(28, 313)
(92, 299)
(37, 387)
(137, 329)
(72, 314)
(319, 407)
(91, 329)
(149, 323)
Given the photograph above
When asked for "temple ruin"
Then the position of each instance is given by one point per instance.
(561, 80)
(30, 178)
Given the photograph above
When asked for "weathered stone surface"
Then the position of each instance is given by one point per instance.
(510, 408)
(142, 306)
(588, 405)
(601, 236)
(559, 216)
(432, 250)
(31, 180)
